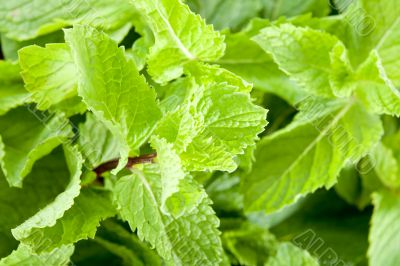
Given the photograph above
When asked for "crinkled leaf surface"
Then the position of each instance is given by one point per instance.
(23, 256)
(180, 37)
(113, 89)
(191, 239)
(49, 73)
(79, 222)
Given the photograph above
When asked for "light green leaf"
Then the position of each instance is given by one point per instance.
(226, 13)
(375, 89)
(113, 89)
(389, 49)
(180, 37)
(289, 255)
(384, 233)
(309, 153)
(23, 256)
(386, 166)
(378, 23)
(276, 8)
(342, 74)
(245, 58)
(191, 239)
(96, 142)
(49, 73)
(215, 121)
(302, 53)
(40, 189)
(48, 216)
(24, 143)
(178, 196)
(26, 19)
(12, 92)
(79, 222)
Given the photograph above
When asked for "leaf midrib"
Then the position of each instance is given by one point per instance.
(310, 146)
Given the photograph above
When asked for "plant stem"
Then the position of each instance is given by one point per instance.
(107, 166)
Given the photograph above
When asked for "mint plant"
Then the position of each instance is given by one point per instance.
(136, 133)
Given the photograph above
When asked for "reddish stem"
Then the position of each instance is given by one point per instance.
(108, 166)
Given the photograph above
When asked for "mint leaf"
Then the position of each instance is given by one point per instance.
(178, 196)
(40, 189)
(48, 87)
(180, 37)
(96, 142)
(288, 254)
(12, 92)
(213, 121)
(303, 54)
(226, 14)
(388, 47)
(114, 90)
(24, 257)
(24, 20)
(48, 216)
(190, 239)
(22, 144)
(245, 58)
(286, 165)
(79, 222)
(375, 88)
(384, 231)
(119, 241)
(276, 8)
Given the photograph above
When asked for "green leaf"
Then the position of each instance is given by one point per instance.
(49, 73)
(276, 8)
(389, 48)
(10, 47)
(342, 75)
(12, 92)
(191, 239)
(249, 244)
(118, 240)
(40, 189)
(375, 89)
(23, 256)
(24, 143)
(49, 215)
(226, 13)
(79, 222)
(23, 20)
(352, 187)
(384, 232)
(245, 58)
(302, 53)
(113, 89)
(178, 196)
(180, 37)
(309, 153)
(378, 24)
(289, 255)
(215, 120)
(96, 142)
(386, 165)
